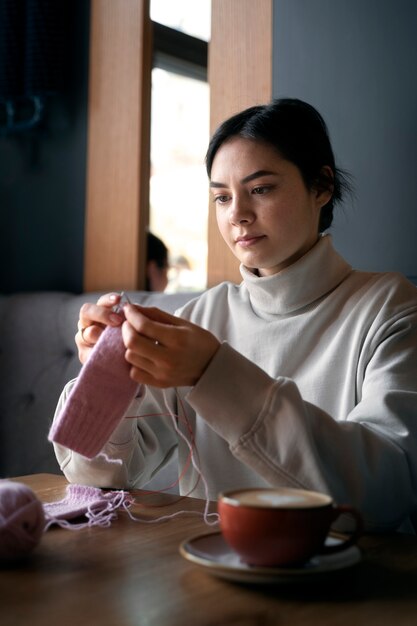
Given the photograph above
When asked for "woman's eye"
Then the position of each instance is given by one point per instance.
(221, 199)
(260, 190)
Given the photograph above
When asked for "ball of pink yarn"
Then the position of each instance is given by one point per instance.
(22, 520)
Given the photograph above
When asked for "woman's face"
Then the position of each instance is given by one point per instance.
(265, 212)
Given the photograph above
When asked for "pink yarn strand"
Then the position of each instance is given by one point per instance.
(210, 519)
(206, 515)
(100, 508)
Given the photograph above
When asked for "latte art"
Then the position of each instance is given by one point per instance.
(271, 499)
(278, 498)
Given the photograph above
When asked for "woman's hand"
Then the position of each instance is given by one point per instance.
(164, 350)
(93, 320)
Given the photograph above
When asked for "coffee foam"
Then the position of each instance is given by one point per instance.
(278, 498)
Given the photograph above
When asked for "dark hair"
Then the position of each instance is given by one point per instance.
(156, 251)
(298, 132)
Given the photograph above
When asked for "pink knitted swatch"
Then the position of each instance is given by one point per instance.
(98, 400)
(85, 506)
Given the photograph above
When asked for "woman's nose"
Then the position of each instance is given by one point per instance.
(240, 212)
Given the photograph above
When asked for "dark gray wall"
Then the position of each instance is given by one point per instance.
(356, 61)
(42, 182)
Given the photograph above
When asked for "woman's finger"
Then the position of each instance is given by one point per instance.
(140, 345)
(157, 315)
(109, 299)
(93, 319)
(154, 324)
(91, 314)
(89, 335)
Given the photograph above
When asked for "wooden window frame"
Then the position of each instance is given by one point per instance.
(118, 168)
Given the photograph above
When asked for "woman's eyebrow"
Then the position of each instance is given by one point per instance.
(246, 179)
(256, 174)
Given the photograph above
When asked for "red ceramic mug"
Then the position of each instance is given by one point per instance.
(280, 526)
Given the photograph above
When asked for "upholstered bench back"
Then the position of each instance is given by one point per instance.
(37, 357)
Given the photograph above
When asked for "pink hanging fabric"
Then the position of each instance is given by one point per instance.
(99, 398)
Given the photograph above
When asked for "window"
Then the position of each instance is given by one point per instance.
(179, 138)
(187, 16)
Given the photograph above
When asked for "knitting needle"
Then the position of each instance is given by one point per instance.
(118, 307)
(124, 295)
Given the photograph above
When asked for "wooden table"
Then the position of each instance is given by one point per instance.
(132, 574)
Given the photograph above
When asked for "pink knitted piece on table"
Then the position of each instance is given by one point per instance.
(91, 506)
(98, 400)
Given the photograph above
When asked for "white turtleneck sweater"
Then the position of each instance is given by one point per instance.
(314, 386)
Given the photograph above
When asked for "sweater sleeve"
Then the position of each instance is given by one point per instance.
(137, 449)
(367, 459)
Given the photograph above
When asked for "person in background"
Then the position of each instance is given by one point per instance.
(303, 375)
(157, 264)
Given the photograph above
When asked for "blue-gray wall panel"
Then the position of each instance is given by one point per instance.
(356, 61)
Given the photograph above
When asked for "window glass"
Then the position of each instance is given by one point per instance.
(188, 16)
(178, 186)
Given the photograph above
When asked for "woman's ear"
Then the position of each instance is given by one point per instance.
(325, 185)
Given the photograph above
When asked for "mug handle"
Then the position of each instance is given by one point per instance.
(352, 539)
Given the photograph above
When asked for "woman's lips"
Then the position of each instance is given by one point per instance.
(247, 242)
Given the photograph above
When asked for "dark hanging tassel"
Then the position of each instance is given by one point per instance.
(32, 47)
(44, 47)
(12, 37)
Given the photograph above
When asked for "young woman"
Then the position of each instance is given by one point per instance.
(305, 374)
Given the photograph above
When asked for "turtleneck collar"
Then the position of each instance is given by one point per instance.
(319, 271)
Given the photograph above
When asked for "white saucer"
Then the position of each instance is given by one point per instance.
(212, 552)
